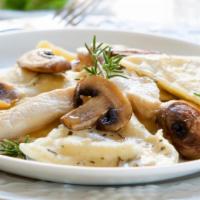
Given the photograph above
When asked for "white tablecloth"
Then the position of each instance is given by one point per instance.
(173, 18)
(18, 188)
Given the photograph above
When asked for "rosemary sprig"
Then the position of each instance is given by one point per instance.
(111, 65)
(11, 148)
(104, 63)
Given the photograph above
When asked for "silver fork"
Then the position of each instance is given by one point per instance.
(72, 14)
(75, 11)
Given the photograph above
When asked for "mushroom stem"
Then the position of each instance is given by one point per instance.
(86, 115)
(107, 108)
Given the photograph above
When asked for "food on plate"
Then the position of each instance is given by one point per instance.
(142, 93)
(179, 75)
(8, 95)
(103, 106)
(180, 121)
(83, 59)
(69, 56)
(35, 112)
(124, 51)
(107, 107)
(30, 83)
(166, 96)
(103, 149)
(44, 61)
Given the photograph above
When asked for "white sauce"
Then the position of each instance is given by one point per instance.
(132, 146)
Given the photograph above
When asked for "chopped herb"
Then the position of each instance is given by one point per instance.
(51, 151)
(104, 63)
(197, 94)
(11, 148)
(162, 148)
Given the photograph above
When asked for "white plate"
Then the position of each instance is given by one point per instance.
(12, 45)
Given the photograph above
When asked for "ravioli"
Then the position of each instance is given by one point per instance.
(142, 92)
(29, 84)
(179, 75)
(132, 146)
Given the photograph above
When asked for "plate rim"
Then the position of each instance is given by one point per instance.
(77, 29)
(91, 168)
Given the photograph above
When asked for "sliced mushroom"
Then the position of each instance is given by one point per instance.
(180, 121)
(44, 61)
(35, 113)
(107, 108)
(84, 56)
(83, 59)
(8, 95)
(125, 51)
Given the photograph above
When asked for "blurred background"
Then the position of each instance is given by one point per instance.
(173, 18)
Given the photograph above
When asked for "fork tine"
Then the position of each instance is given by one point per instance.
(79, 5)
(75, 12)
(76, 20)
(80, 11)
(60, 11)
(64, 12)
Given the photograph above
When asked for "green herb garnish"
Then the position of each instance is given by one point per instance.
(11, 148)
(197, 94)
(111, 65)
(104, 63)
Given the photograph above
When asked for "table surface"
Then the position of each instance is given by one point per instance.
(172, 18)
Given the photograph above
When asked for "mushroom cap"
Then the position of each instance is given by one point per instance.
(8, 95)
(44, 61)
(111, 109)
(180, 121)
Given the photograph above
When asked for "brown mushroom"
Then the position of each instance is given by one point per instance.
(8, 95)
(107, 107)
(44, 61)
(84, 56)
(180, 121)
(125, 51)
(83, 59)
